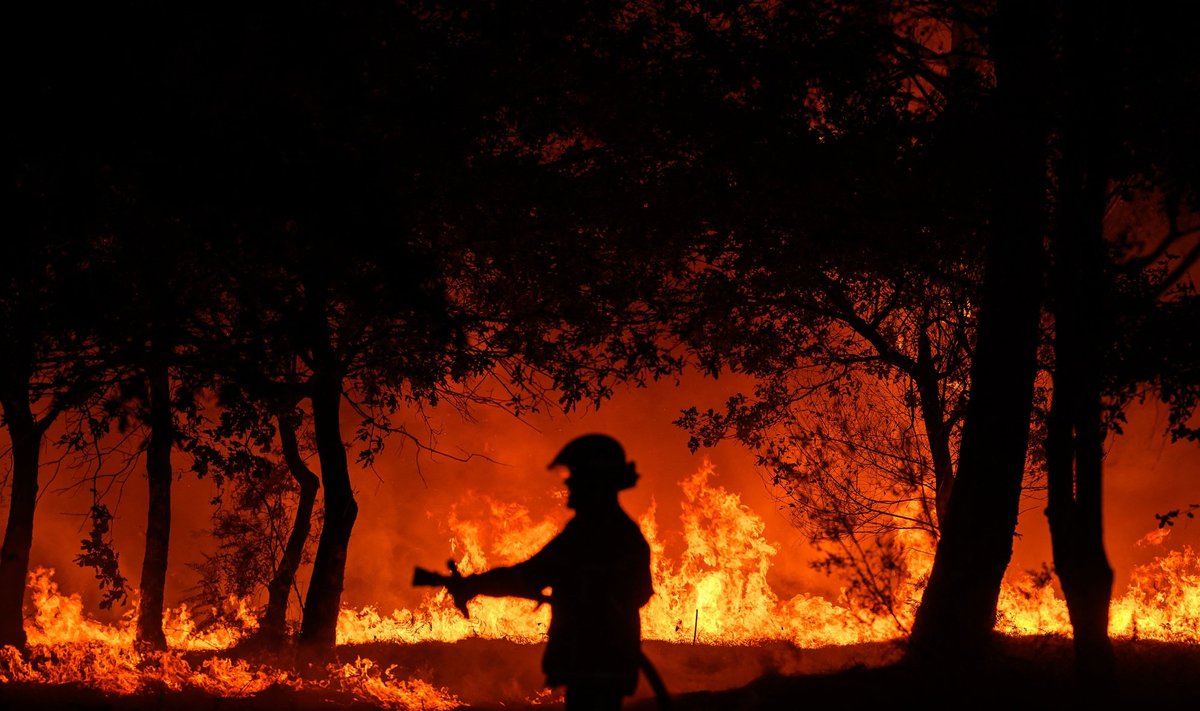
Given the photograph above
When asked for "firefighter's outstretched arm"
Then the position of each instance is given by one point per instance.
(454, 583)
(527, 580)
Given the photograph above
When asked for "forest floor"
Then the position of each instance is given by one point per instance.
(1025, 673)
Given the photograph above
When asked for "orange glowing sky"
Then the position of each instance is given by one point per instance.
(403, 513)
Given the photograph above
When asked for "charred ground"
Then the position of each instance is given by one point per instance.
(1031, 672)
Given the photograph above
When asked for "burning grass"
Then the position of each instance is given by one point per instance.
(1028, 672)
(719, 634)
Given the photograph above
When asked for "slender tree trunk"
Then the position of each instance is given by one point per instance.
(1074, 439)
(26, 435)
(937, 430)
(318, 631)
(158, 516)
(958, 611)
(272, 626)
(1082, 566)
(1074, 459)
(1075, 476)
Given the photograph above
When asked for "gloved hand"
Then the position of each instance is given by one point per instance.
(462, 589)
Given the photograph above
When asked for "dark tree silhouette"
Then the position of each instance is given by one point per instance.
(362, 210)
(150, 336)
(48, 364)
(957, 611)
(762, 157)
(1085, 80)
(992, 103)
(56, 182)
(1081, 306)
(861, 385)
(1116, 66)
(265, 517)
(272, 625)
(346, 146)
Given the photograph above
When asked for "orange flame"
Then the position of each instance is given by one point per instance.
(718, 590)
(715, 591)
(68, 647)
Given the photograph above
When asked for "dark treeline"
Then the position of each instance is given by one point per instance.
(242, 226)
(258, 213)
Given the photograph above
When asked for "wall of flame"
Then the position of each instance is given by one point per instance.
(728, 567)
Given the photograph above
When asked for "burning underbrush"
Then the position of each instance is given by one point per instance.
(713, 623)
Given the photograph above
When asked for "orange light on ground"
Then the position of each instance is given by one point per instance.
(714, 591)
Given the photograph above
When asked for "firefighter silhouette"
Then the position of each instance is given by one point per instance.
(598, 573)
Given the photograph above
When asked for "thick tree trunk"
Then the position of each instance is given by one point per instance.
(158, 516)
(1074, 440)
(272, 627)
(318, 631)
(26, 436)
(958, 611)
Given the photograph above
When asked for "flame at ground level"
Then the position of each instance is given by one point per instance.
(714, 592)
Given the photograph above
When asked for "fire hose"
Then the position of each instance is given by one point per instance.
(656, 683)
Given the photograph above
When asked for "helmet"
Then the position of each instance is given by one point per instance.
(596, 460)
